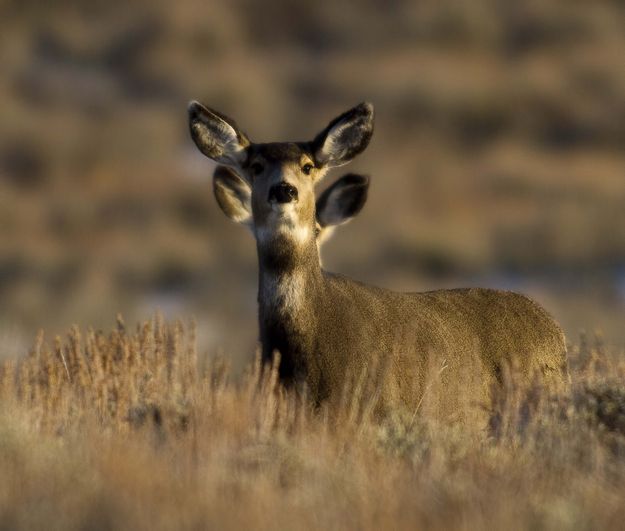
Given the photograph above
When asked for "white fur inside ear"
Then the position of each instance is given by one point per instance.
(333, 213)
(215, 137)
(333, 148)
(232, 148)
(239, 206)
(342, 201)
(222, 139)
(346, 137)
(234, 195)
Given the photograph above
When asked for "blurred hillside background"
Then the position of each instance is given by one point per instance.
(498, 157)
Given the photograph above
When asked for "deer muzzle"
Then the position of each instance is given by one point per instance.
(282, 193)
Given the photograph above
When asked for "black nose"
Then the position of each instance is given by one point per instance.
(282, 193)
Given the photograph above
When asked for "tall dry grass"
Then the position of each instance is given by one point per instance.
(130, 430)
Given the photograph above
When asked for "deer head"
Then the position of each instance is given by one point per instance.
(270, 187)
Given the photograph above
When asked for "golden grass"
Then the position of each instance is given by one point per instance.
(129, 431)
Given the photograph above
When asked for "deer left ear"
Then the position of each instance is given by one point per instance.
(217, 136)
(342, 201)
(234, 195)
(345, 137)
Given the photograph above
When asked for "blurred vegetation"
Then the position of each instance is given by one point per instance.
(497, 159)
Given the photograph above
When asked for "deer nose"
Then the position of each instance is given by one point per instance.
(282, 193)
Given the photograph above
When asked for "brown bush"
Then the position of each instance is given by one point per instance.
(130, 430)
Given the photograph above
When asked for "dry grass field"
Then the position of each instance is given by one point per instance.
(129, 430)
(497, 161)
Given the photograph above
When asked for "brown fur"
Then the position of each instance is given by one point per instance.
(341, 327)
(454, 345)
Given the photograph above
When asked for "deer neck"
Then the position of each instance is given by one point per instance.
(289, 296)
(289, 272)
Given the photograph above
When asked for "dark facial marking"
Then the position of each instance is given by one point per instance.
(279, 256)
(279, 152)
(283, 193)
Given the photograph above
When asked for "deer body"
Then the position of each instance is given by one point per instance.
(329, 328)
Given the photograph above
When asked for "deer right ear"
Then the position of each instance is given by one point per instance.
(233, 195)
(342, 201)
(345, 137)
(217, 136)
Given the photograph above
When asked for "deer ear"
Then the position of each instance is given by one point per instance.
(233, 195)
(345, 137)
(342, 201)
(217, 136)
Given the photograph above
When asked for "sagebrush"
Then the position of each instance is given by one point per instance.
(132, 429)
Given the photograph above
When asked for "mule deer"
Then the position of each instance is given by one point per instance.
(327, 326)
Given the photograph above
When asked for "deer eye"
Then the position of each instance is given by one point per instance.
(257, 168)
(307, 168)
